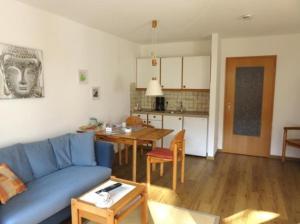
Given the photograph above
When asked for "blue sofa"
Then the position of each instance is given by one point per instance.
(54, 171)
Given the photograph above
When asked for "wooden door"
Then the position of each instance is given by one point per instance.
(196, 72)
(145, 72)
(249, 94)
(171, 72)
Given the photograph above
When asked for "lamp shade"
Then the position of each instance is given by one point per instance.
(154, 88)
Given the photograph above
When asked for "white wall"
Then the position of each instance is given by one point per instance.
(214, 100)
(287, 91)
(189, 48)
(67, 46)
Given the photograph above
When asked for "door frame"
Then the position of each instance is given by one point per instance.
(272, 103)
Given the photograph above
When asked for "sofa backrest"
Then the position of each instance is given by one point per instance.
(62, 150)
(41, 158)
(37, 159)
(17, 160)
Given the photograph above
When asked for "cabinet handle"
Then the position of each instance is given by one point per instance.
(139, 115)
(179, 118)
(184, 86)
(162, 86)
(154, 116)
(149, 122)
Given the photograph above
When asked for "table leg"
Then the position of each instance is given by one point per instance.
(120, 154)
(284, 145)
(144, 208)
(110, 217)
(153, 147)
(74, 210)
(134, 160)
(126, 154)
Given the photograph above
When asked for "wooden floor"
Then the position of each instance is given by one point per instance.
(229, 185)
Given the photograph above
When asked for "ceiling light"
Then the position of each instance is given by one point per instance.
(154, 41)
(154, 88)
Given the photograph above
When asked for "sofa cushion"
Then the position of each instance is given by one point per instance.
(61, 148)
(83, 149)
(41, 158)
(10, 184)
(51, 193)
(15, 157)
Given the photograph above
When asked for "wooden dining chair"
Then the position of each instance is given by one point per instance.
(135, 121)
(289, 141)
(175, 153)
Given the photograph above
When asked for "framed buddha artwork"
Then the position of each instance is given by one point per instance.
(21, 72)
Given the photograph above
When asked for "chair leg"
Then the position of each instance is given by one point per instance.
(284, 146)
(153, 166)
(126, 154)
(182, 170)
(142, 150)
(174, 174)
(148, 169)
(161, 169)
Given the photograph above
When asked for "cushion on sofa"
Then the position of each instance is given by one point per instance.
(41, 158)
(83, 149)
(14, 156)
(61, 148)
(10, 184)
(51, 193)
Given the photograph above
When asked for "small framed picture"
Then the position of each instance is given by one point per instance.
(83, 76)
(96, 93)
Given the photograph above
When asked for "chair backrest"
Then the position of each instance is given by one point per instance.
(178, 141)
(134, 121)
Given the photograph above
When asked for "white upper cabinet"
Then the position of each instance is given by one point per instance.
(196, 72)
(171, 72)
(145, 72)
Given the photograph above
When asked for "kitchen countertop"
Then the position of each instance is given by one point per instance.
(173, 113)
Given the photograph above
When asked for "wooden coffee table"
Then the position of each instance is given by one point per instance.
(117, 212)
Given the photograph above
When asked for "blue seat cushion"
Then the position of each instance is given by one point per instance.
(14, 156)
(48, 195)
(61, 148)
(41, 158)
(83, 149)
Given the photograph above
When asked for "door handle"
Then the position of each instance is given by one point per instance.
(228, 105)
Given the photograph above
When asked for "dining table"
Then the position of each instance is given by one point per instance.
(137, 136)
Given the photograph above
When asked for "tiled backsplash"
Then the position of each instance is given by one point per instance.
(191, 100)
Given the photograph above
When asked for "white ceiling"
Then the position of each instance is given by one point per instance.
(179, 20)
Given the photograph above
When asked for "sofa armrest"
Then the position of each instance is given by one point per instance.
(104, 152)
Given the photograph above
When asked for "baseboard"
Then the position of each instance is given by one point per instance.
(213, 157)
(286, 158)
(270, 156)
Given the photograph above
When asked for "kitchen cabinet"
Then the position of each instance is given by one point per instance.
(196, 72)
(171, 122)
(142, 116)
(195, 135)
(145, 72)
(156, 121)
(171, 72)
